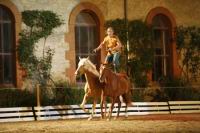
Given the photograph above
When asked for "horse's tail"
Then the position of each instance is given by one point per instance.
(127, 98)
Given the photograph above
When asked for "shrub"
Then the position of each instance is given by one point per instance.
(179, 89)
(16, 98)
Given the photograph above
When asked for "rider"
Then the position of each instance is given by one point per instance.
(113, 48)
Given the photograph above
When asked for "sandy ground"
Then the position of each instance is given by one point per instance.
(162, 123)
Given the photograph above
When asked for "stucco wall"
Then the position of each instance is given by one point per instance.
(186, 12)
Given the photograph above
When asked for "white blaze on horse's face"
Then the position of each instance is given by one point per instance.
(81, 65)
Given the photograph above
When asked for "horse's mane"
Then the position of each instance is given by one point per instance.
(91, 67)
(118, 74)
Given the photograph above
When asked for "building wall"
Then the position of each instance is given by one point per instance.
(185, 12)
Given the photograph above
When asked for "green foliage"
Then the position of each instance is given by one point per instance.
(140, 51)
(39, 24)
(66, 95)
(179, 89)
(25, 98)
(16, 98)
(154, 94)
(140, 48)
(188, 45)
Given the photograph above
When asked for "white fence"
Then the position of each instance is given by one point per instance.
(74, 111)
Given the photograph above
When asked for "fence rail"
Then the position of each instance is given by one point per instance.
(74, 111)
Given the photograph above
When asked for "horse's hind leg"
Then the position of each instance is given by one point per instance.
(127, 102)
(102, 104)
(111, 108)
(126, 111)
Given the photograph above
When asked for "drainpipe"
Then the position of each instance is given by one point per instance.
(127, 42)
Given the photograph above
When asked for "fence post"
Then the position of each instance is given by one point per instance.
(169, 107)
(38, 101)
(38, 95)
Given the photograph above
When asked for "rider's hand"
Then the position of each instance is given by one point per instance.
(109, 50)
(95, 50)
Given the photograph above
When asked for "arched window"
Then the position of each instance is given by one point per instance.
(162, 30)
(7, 48)
(86, 36)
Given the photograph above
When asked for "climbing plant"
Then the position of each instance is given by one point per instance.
(188, 46)
(38, 25)
(140, 51)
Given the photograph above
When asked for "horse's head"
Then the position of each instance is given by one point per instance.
(102, 76)
(81, 66)
(85, 64)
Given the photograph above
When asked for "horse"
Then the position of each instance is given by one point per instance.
(93, 88)
(116, 84)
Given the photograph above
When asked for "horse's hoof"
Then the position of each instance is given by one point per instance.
(115, 118)
(90, 118)
(81, 106)
(108, 119)
(106, 114)
(87, 111)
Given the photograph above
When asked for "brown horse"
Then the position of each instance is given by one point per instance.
(116, 84)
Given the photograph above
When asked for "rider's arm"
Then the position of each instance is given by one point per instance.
(100, 46)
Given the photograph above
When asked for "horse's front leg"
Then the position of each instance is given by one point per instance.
(102, 103)
(111, 107)
(119, 106)
(93, 109)
(85, 98)
(84, 102)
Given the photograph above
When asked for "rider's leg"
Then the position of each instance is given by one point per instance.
(116, 61)
(109, 60)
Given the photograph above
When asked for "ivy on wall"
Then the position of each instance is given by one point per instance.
(188, 45)
(39, 25)
(141, 51)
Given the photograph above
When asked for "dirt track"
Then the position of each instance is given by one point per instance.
(168, 124)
